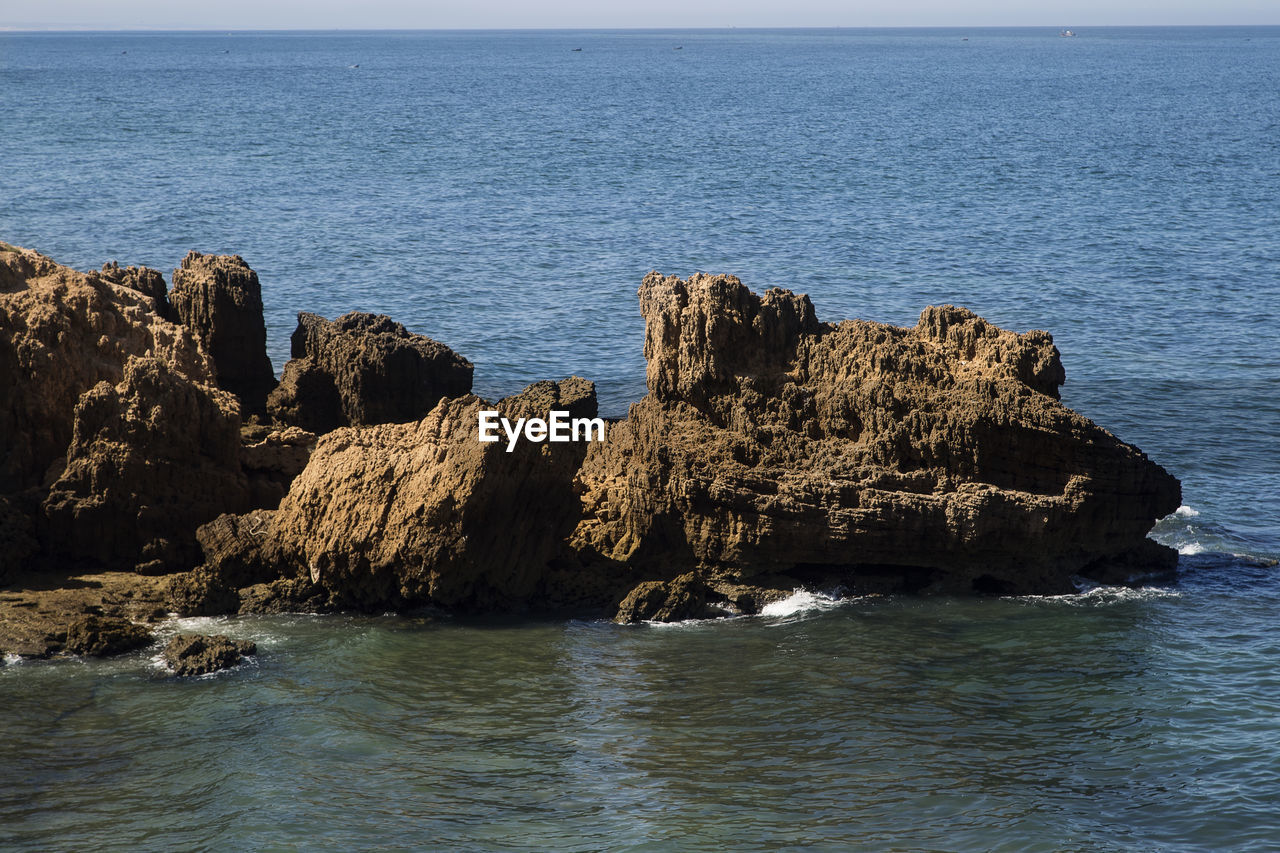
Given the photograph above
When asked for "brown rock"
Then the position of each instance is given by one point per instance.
(151, 459)
(197, 654)
(423, 513)
(37, 607)
(61, 333)
(284, 595)
(272, 463)
(146, 281)
(100, 636)
(770, 442)
(364, 369)
(681, 598)
(218, 297)
(201, 592)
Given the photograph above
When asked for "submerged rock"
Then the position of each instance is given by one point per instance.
(197, 654)
(219, 298)
(61, 333)
(151, 459)
(363, 369)
(771, 442)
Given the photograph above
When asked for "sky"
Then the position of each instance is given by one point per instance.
(502, 14)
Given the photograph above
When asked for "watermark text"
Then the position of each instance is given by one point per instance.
(557, 426)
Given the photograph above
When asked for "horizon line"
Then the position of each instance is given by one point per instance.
(63, 28)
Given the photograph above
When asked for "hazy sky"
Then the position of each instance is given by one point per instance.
(323, 14)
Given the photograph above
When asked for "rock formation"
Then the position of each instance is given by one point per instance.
(146, 281)
(197, 654)
(934, 458)
(150, 460)
(272, 463)
(218, 297)
(61, 333)
(402, 515)
(772, 451)
(363, 369)
(100, 636)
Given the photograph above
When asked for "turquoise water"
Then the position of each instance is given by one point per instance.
(505, 194)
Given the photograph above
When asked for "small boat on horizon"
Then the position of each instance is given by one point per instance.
(1067, 34)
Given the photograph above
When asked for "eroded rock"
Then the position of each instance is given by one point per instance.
(151, 459)
(197, 654)
(272, 463)
(401, 515)
(146, 281)
(681, 598)
(100, 636)
(219, 298)
(61, 333)
(770, 442)
(363, 369)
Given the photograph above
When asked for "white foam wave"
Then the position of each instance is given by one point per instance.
(799, 601)
(1192, 548)
(10, 659)
(1099, 594)
(1185, 511)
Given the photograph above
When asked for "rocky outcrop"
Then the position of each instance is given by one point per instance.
(403, 515)
(772, 451)
(100, 636)
(61, 333)
(197, 654)
(938, 455)
(676, 600)
(146, 281)
(363, 369)
(151, 459)
(218, 297)
(272, 463)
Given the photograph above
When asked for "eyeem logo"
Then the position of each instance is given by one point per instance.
(558, 427)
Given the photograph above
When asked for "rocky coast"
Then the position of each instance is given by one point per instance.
(151, 463)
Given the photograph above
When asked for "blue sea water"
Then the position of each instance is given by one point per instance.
(504, 193)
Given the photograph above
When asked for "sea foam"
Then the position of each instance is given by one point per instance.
(799, 601)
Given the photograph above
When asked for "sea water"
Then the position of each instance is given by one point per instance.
(504, 193)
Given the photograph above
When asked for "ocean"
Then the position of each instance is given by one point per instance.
(504, 193)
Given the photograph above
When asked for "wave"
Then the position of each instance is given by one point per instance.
(801, 601)
(1092, 594)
